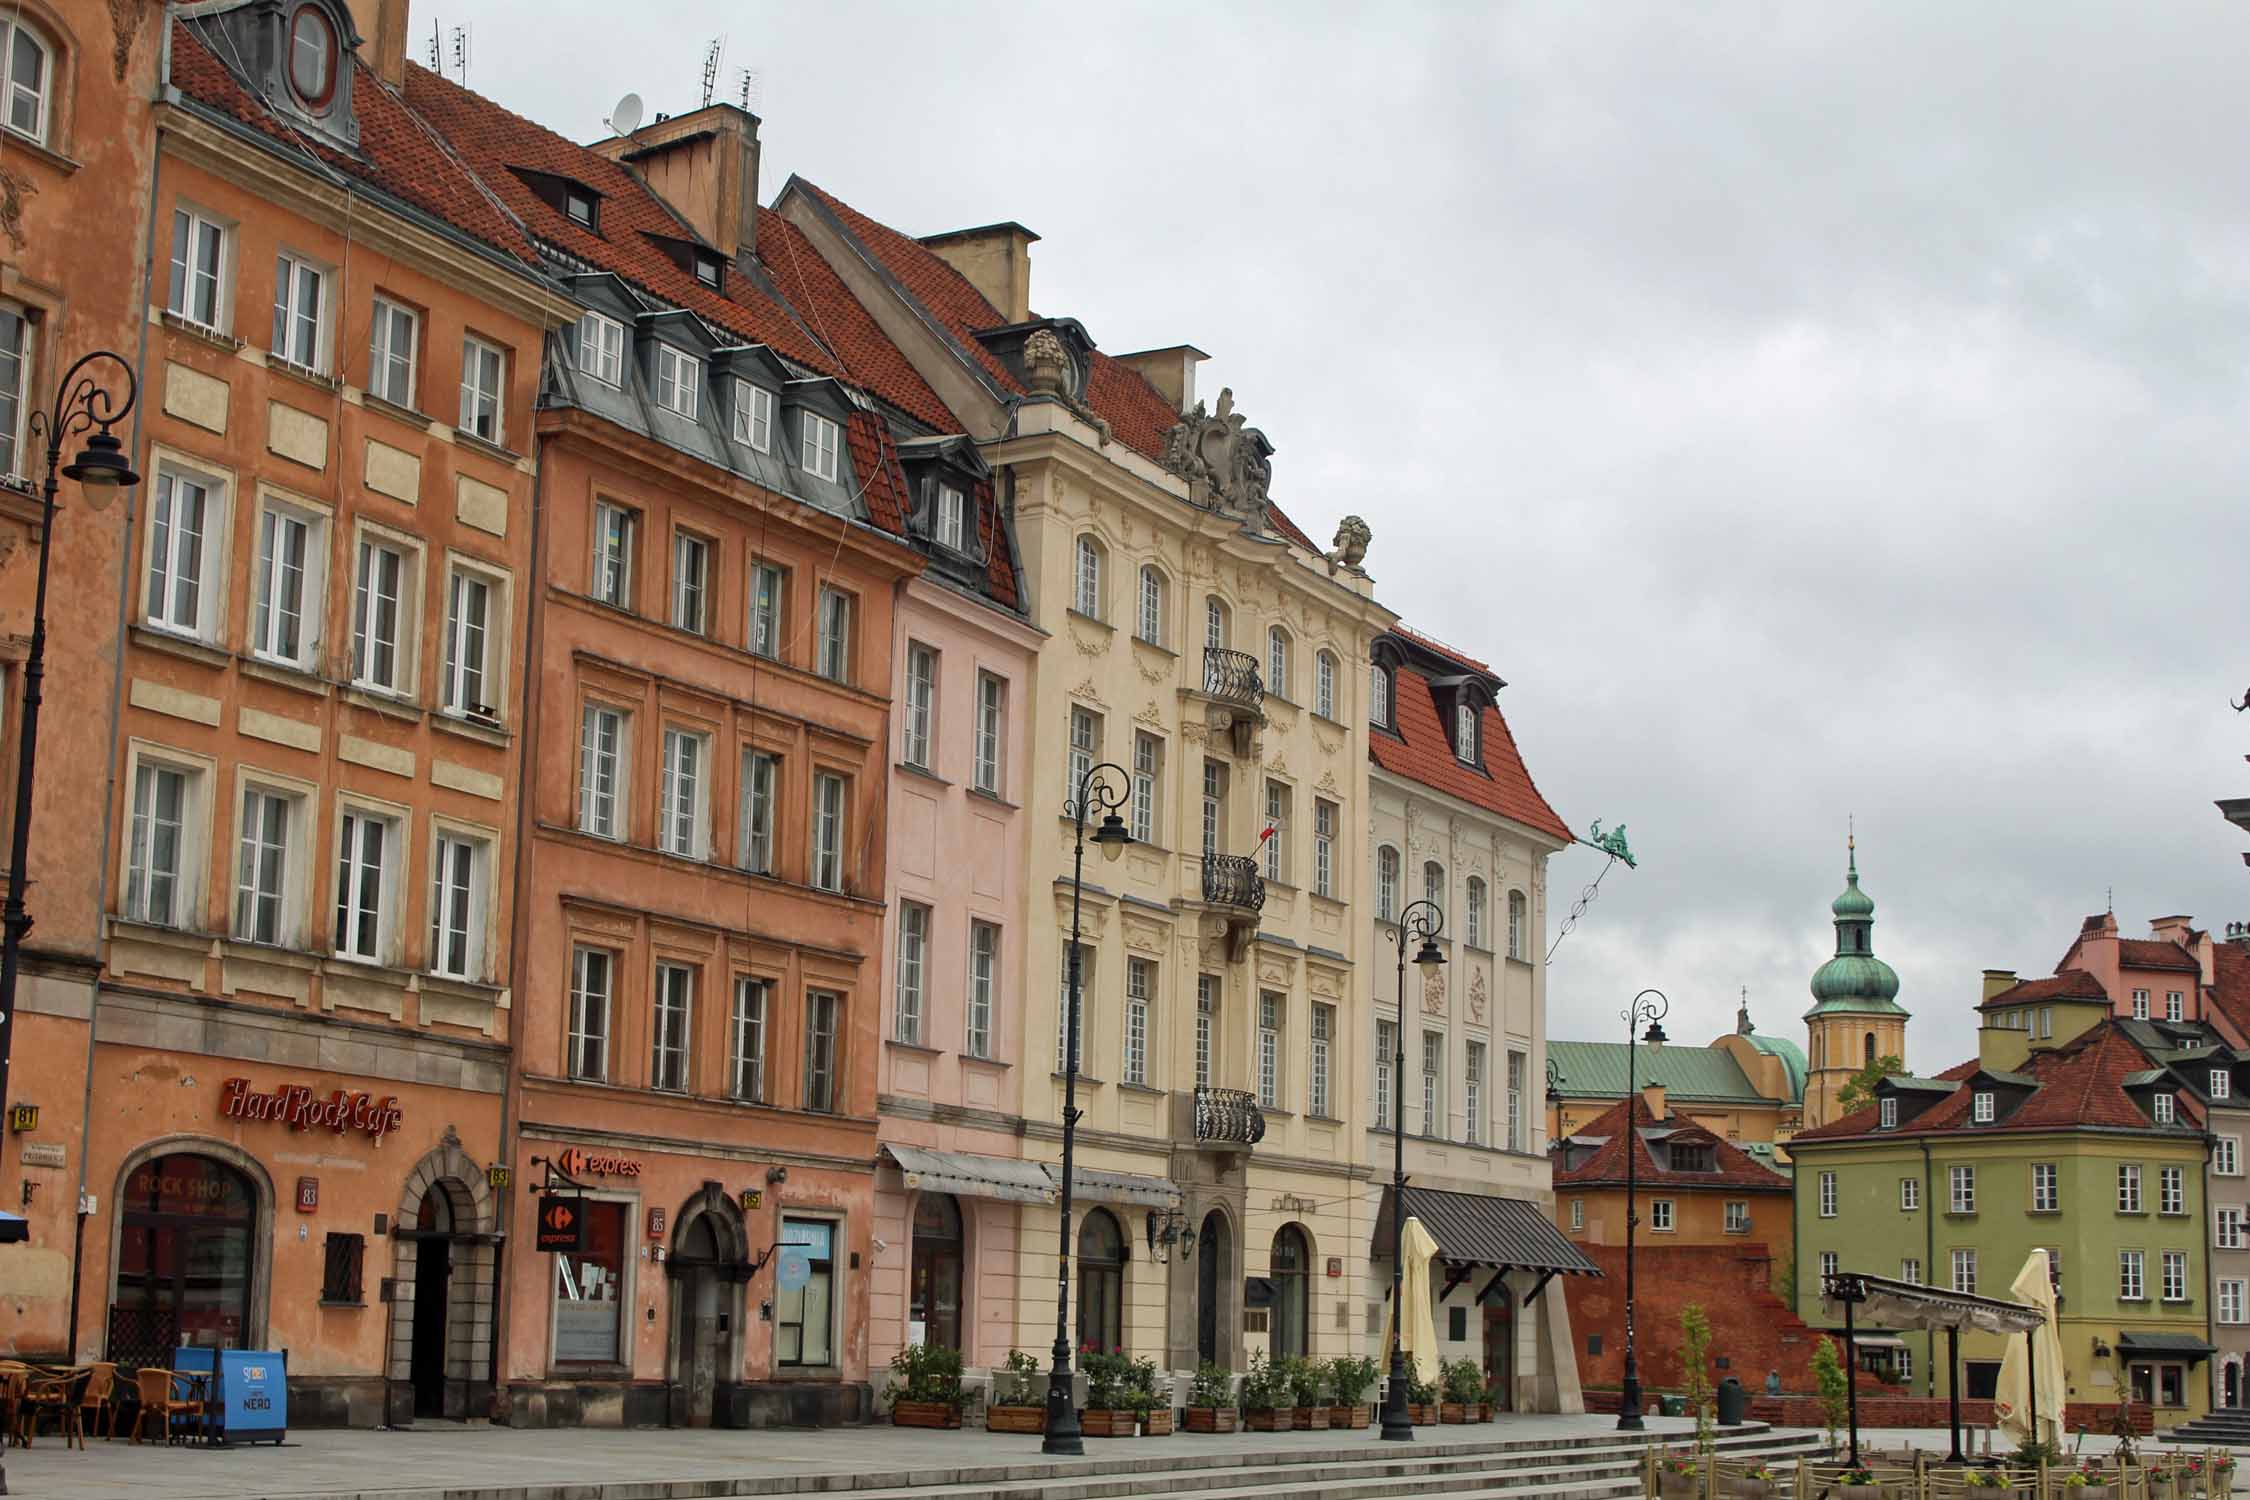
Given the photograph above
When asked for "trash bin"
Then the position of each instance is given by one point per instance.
(1734, 1402)
(1671, 1406)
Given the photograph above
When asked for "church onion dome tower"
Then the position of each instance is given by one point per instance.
(1855, 981)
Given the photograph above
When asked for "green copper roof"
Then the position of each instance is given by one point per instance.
(1854, 902)
(1792, 1060)
(1855, 981)
(1701, 1075)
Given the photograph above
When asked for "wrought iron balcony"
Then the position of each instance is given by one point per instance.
(1230, 1116)
(1232, 678)
(1233, 880)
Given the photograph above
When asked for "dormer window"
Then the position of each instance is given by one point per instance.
(2222, 1084)
(1886, 1113)
(601, 348)
(678, 377)
(312, 57)
(1379, 696)
(581, 207)
(1696, 1158)
(1981, 1107)
(753, 416)
(820, 438)
(951, 525)
(708, 267)
(2160, 1109)
(1465, 731)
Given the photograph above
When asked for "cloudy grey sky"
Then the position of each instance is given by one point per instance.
(1812, 410)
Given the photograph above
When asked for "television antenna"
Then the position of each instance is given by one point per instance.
(626, 117)
(461, 55)
(437, 48)
(749, 89)
(713, 55)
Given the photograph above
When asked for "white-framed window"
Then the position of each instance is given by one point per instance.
(580, 206)
(1324, 684)
(2046, 1022)
(1386, 884)
(1910, 1270)
(1140, 990)
(1379, 696)
(29, 77)
(475, 632)
(2046, 1192)
(1085, 751)
(2222, 1084)
(199, 269)
(828, 832)
(2174, 1010)
(821, 438)
(1216, 624)
(1737, 1216)
(186, 526)
(1433, 1083)
(1206, 1024)
(593, 988)
(1386, 1060)
(746, 1040)
(2174, 1269)
(992, 725)
(951, 524)
(460, 879)
(1067, 1057)
(1472, 1094)
(2226, 1155)
(754, 846)
(601, 348)
(1465, 731)
(921, 703)
(615, 530)
(1433, 883)
(768, 585)
(2171, 1190)
(1148, 776)
(1886, 1112)
(1980, 1107)
(753, 416)
(1474, 902)
(1269, 1049)
(1828, 1195)
(1318, 1064)
(691, 580)
(386, 572)
(1149, 624)
(601, 771)
(671, 1023)
(907, 992)
(2161, 1109)
(300, 312)
(1577, 1214)
(1909, 1194)
(835, 634)
(1517, 1063)
(2128, 1188)
(286, 604)
(1214, 804)
(2132, 1285)
(1661, 1221)
(1277, 662)
(393, 342)
(1277, 831)
(1961, 1183)
(679, 377)
(483, 376)
(2227, 1228)
(984, 988)
(2231, 1291)
(1086, 589)
(683, 794)
(15, 384)
(266, 877)
(367, 857)
(2140, 1005)
(1519, 927)
(1965, 1271)
(1324, 847)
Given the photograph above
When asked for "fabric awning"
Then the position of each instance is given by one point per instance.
(1908, 1304)
(1877, 1341)
(14, 1228)
(1095, 1185)
(2165, 1346)
(1479, 1229)
(973, 1176)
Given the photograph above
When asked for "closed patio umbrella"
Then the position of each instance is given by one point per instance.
(2030, 1398)
(1420, 1336)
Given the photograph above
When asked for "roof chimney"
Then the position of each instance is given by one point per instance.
(1996, 980)
(382, 29)
(996, 260)
(2171, 929)
(2238, 933)
(1171, 371)
(705, 165)
(1652, 1094)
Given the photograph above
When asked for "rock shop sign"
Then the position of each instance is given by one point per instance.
(342, 1111)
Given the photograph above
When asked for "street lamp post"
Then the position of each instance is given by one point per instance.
(1648, 1005)
(81, 405)
(1105, 786)
(1424, 920)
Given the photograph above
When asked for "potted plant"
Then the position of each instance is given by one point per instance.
(1676, 1476)
(1210, 1405)
(1152, 1399)
(1262, 1396)
(2159, 1475)
(1350, 1380)
(926, 1387)
(1109, 1407)
(1305, 1378)
(1421, 1400)
(1464, 1389)
(1986, 1481)
(1017, 1401)
(1491, 1399)
(2087, 1482)
(1856, 1478)
(1757, 1482)
(2219, 1483)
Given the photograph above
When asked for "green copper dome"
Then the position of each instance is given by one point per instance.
(1855, 980)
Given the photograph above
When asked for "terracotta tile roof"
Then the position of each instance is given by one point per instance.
(1421, 752)
(401, 156)
(2081, 1083)
(2070, 984)
(2229, 992)
(2155, 953)
(999, 548)
(845, 326)
(1734, 1169)
(875, 463)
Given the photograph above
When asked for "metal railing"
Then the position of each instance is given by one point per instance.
(1228, 1115)
(1232, 678)
(1233, 880)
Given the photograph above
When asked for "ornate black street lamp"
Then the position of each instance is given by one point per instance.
(1649, 1006)
(1424, 920)
(81, 405)
(1104, 786)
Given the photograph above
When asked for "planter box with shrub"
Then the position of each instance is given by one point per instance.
(1212, 1419)
(1357, 1417)
(1019, 1396)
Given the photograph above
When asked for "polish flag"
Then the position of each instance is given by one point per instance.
(1270, 827)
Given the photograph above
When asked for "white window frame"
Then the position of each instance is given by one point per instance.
(1519, 921)
(39, 91)
(1386, 884)
(1148, 622)
(270, 578)
(758, 796)
(488, 641)
(2161, 1108)
(2128, 1188)
(1518, 1063)
(2046, 1187)
(1472, 1093)
(820, 438)
(601, 349)
(984, 989)
(2230, 1228)
(2222, 1084)
(1206, 1029)
(1981, 1107)
(1324, 684)
(2132, 1276)
(604, 780)
(1577, 1214)
(1085, 750)
(2226, 1156)
(831, 816)
(1278, 646)
(918, 723)
(2171, 1190)
(2175, 1008)
(355, 817)
(683, 807)
(992, 731)
(294, 323)
(1148, 778)
(1386, 1059)
(2140, 1005)
(269, 870)
(202, 261)
(1319, 1065)
(747, 1034)
(1910, 1270)
(1379, 695)
(1909, 1194)
(16, 351)
(476, 397)
(671, 1028)
(1324, 847)
(1473, 901)
(1828, 1195)
(1086, 584)
(391, 375)
(616, 537)
(169, 551)
(1433, 1084)
(1465, 732)
(1140, 997)
(1661, 1220)
(691, 580)
(2172, 1268)
(405, 610)
(1886, 1112)
(461, 865)
(1279, 800)
(2233, 1295)
(1737, 1212)
(679, 381)
(949, 526)
(1271, 1017)
(590, 1025)
(1965, 1271)
(1961, 1190)
(836, 616)
(753, 416)
(910, 982)
(768, 605)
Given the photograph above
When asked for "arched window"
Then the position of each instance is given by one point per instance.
(1324, 685)
(1518, 924)
(1215, 624)
(312, 56)
(937, 1269)
(1465, 731)
(1433, 883)
(1379, 696)
(1086, 591)
(1291, 1270)
(1150, 626)
(1277, 662)
(29, 64)
(1386, 884)
(186, 1254)
(1475, 936)
(1101, 1282)
(1870, 1057)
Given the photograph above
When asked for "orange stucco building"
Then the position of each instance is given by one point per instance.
(1693, 1187)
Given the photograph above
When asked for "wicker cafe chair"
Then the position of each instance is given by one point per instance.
(55, 1396)
(13, 1378)
(99, 1397)
(157, 1388)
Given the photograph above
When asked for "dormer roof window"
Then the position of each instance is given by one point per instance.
(679, 378)
(1465, 731)
(1887, 1113)
(582, 207)
(312, 56)
(821, 437)
(295, 55)
(1981, 1109)
(2222, 1083)
(709, 267)
(951, 524)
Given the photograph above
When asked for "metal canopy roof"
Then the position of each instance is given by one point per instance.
(1476, 1229)
(2174, 1345)
(975, 1176)
(1906, 1304)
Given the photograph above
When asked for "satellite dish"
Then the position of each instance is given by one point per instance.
(626, 118)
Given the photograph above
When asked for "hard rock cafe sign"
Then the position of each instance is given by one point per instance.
(341, 1111)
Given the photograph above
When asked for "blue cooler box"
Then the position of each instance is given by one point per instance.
(249, 1391)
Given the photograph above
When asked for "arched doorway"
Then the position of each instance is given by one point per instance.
(1292, 1293)
(187, 1258)
(433, 1286)
(442, 1264)
(936, 1272)
(1211, 1280)
(1101, 1282)
(1500, 1346)
(2232, 1393)
(703, 1268)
